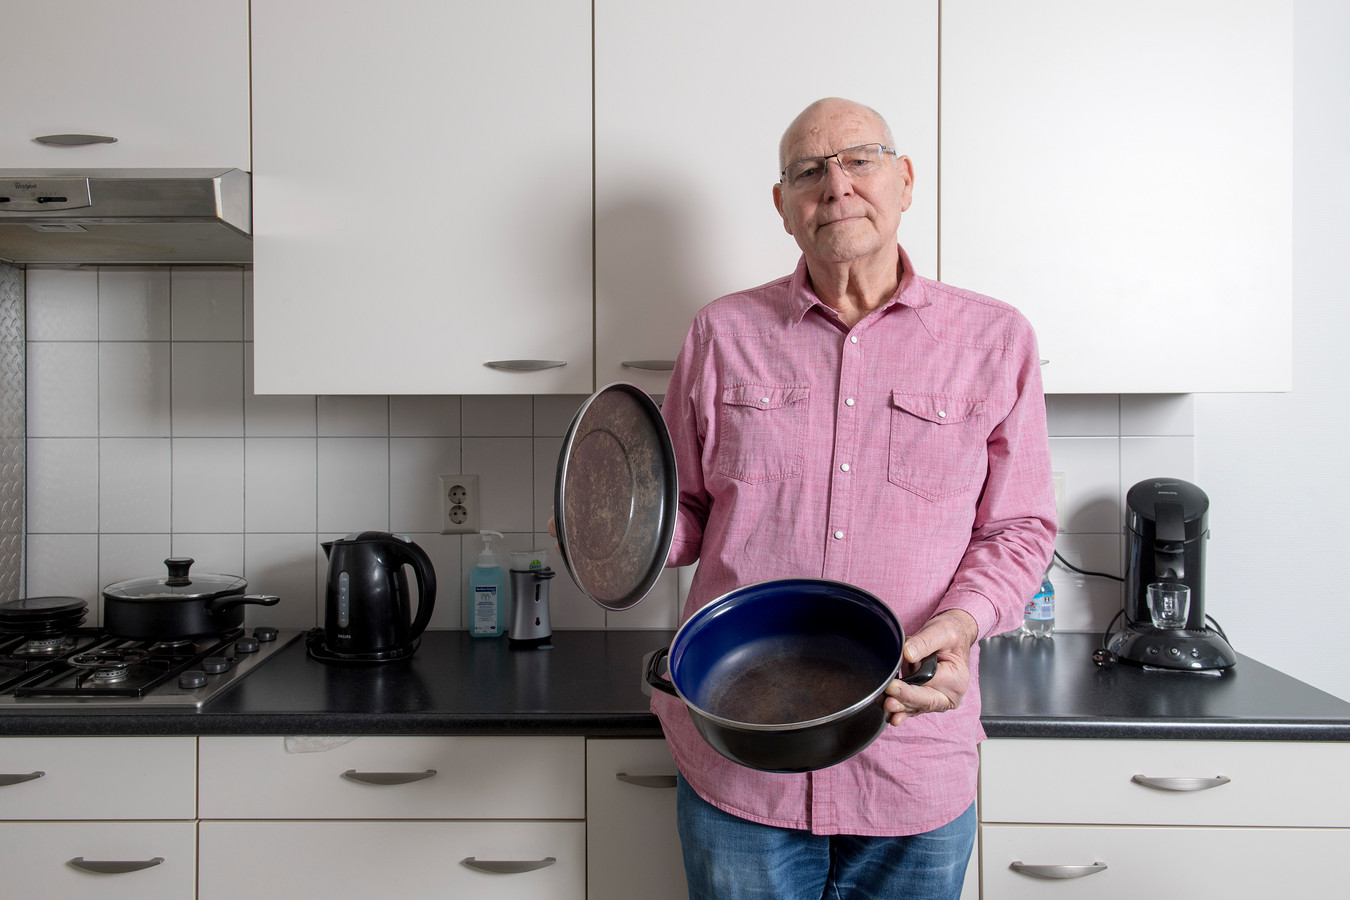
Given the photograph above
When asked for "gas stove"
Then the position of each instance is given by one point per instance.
(89, 667)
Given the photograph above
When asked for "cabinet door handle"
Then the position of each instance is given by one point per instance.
(1181, 783)
(7, 780)
(113, 866)
(1057, 871)
(508, 866)
(74, 140)
(386, 778)
(651, 365)
(647, 781)
(525, 365)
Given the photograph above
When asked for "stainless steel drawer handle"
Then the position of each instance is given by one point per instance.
(74, 140)
(113, 866)
(651, 365)
(647, 781)
(525, 365)
(386, 778)
(1181, 783)
(7, 780)
(1057, 871)
(508, 866)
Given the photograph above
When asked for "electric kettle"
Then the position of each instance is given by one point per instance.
(367, 608)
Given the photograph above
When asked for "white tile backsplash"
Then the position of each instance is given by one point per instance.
(134, 478)
(133, 304)
(145, 439)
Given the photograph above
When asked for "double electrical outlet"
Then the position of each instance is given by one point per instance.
(460, 503)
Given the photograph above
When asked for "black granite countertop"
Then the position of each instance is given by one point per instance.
(590, 683)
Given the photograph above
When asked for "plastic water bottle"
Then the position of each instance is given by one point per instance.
(1039, 618)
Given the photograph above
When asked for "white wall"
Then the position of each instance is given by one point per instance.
(1275, 466)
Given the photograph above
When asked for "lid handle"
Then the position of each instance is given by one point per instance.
(178, 570)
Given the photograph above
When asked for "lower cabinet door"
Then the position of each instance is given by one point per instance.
(141, 860)
(1103, 863)
(633, 847)
(496, 860)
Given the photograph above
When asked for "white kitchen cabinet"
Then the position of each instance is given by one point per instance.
(407, 816)
(633, 846)
(690, 101)
(1122, 173)
(169, 80)
(422, 197)
(1088, 818)
(75, 816)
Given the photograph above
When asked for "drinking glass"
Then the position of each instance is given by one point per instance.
(1169, 604)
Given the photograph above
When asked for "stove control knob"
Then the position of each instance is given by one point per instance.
(246, 645)
(265, 633)
(192, 679)
(214, 665)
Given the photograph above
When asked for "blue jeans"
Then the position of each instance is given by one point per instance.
(728, 858)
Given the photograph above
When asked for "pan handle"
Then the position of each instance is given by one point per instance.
(924, 674)
(219, 603)
(651, 665)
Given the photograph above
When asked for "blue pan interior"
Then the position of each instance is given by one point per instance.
(751, 618)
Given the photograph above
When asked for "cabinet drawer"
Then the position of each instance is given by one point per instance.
(633, 847)
(35, 859)
(1163, 862)
(394, 859)
(98, 778)
(1268, 782)
(387, 778)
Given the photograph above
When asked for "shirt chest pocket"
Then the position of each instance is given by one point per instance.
(938, 443)
(763, 432)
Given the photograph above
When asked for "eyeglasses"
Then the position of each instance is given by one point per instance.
(855, 162)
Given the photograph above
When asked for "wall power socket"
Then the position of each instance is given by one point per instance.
(460, 504)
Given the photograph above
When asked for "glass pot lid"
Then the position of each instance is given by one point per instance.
(177, 584)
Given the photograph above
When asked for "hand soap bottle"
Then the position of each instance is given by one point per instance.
(488, 594)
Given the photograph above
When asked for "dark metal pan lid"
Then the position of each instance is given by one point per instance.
(614, 503)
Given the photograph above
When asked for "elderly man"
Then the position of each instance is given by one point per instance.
(903, 449)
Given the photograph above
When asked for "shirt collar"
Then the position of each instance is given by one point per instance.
(911, 291)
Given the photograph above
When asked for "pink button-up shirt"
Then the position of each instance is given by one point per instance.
(907, 455)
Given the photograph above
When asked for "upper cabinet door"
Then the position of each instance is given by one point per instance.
(690, 102)
(1122, 173)
(167, 79)
(422, 197)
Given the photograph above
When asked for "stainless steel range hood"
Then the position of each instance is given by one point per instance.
(126, 216)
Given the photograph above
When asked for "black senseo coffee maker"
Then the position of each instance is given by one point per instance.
(1167, 527)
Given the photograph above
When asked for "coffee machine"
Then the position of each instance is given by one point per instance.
(1166, 529)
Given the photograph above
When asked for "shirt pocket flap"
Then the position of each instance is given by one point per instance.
(940, 409)
(761, 397)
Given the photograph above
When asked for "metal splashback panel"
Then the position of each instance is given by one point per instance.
(13, 432)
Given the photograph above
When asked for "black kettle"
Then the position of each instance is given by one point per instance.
(367, 608)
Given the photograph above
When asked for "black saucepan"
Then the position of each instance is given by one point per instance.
(787, 675)
(179, 605)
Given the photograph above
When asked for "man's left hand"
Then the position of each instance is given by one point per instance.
(949, 634)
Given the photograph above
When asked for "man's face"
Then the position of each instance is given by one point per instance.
(841, 219)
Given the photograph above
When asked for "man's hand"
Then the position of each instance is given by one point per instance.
(950, 634)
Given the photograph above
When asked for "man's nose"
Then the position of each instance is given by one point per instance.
(837, 182)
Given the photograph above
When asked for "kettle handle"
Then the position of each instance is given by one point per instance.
(425, 573)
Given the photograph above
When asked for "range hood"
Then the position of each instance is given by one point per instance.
(126, 216)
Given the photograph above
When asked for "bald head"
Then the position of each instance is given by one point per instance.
(816, 118)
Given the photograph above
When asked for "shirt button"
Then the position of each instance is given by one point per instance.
(942, 414)
(766, 400)
(844, 467)
(838, 535)
(853, 338)
(848, 402)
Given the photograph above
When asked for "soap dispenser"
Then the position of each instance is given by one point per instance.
(488, 594)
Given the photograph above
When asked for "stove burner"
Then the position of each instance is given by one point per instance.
(49, 645)
(110, 658)
(111, 674)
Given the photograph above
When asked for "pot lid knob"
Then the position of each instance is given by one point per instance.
(178, 570)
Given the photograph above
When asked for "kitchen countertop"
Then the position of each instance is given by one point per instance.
(590, 683)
